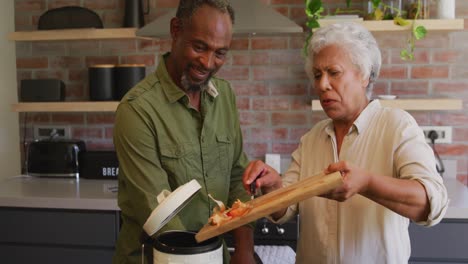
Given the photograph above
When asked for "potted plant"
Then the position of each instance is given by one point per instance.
(315, 8)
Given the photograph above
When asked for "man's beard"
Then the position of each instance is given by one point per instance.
(189, 86)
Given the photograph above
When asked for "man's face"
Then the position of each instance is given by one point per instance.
(200, 47)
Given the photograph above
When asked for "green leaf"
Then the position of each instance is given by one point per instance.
(399, 21)
(348, 3)
(376, 3)
(312, 7)
(419, 32)
(312, 23)
(405, 55)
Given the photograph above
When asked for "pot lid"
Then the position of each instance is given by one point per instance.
(170, 204)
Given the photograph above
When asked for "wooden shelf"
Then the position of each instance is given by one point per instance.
(413, 104)
(388, 25)
(129, 33)
(109, 106)
(74, 34)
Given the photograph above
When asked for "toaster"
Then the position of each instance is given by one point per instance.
(54, 158)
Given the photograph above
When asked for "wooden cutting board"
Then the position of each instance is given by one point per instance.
(274, 201)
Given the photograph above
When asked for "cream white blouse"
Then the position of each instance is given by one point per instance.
(386, 141)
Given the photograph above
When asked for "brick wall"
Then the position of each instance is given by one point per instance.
(267, 73)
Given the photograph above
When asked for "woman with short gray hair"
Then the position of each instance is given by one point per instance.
(388, 169)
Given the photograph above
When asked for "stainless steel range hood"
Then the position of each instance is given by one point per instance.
(252, 17)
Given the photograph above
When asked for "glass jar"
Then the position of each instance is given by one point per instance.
(412, 9)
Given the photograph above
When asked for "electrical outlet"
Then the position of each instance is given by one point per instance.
(274, 160)
(44, 132)
(444, 133)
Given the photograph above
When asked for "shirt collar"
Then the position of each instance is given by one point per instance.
(171, 90)
(363, 120)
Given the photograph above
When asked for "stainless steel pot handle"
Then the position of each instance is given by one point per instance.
(143, 253)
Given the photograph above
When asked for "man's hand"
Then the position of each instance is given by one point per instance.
(266, 177)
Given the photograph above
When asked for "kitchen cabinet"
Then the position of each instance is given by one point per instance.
(444, 243)
(57, 236)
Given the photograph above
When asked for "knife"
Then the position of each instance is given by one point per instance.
(253, 185)
(253, 189)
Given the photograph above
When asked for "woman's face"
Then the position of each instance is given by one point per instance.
(339, 84)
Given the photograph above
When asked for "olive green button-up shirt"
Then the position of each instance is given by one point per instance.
(162, 143)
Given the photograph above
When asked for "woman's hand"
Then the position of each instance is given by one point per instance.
(266, 177)
(355, 180)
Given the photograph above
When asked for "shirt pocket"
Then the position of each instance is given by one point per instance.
(176, 160)
(225, 152)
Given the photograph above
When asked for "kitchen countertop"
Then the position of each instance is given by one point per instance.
(87, 194)
(58, 193)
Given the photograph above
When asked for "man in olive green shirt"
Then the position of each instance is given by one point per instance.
(178, 124)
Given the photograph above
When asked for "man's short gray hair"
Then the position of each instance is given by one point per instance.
(187, 8)
(357, 41)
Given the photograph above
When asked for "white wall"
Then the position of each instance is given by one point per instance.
(9, 126)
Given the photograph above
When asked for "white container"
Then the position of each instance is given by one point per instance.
(446, 9)
(179, 246)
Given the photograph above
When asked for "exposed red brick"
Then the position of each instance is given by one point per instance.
(234, 73)
(92, 60)
(109, 132)
(270, 103)
(118, 47)
(301, 104)
(167, 3)
(243, 103)
(282, 10)
(253, 118)
(446, 56)
(66, 62)
(453, 149)
(56, 74)
(287, 2)
(33, 63)
(405, 88)
(428, 72)
(296, 133)
(289, 118)
(422, 118)
(461, 71)
(78, 75)
(450, 87)
(87, 47)
(75, 92)
(249, 88)
(268, 134)
(296, 42)
(62, 3)
(457, 118)
(421, 56)
(68, 118)
(147, 45)
(270, 73)
(87, 132)
(284, 148)
(30, 5)
(37, 117)
(287, 58)
(394, 72)
(255, 150)
(99, 145)
(100, 118)
(459, 134)
(147, 60)
(269, 43)
(289, 88)
(239, 44)
(100, 5)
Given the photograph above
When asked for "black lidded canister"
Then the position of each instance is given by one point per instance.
(101, 82)
(126, 76)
